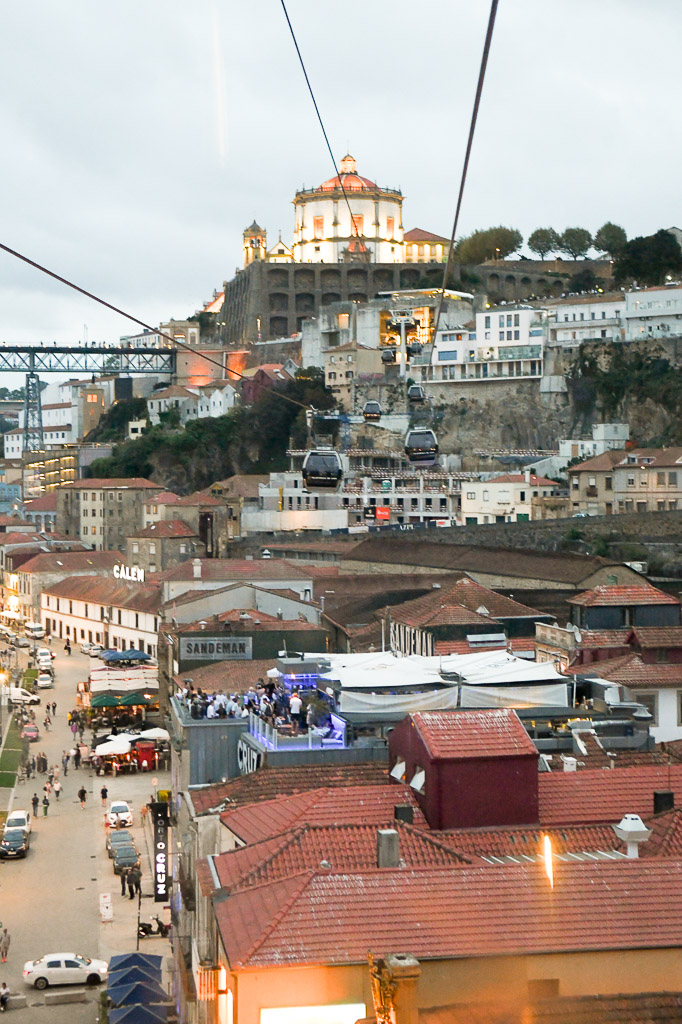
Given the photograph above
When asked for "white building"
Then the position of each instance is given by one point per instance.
(324, 233)
(503, 499)
(582, 318)
(654, 312)
(53, 436)
(185, 400)
(506, 343)
(605, 437)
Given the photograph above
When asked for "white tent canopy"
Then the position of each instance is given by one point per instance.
(116, 745)
(123, 686)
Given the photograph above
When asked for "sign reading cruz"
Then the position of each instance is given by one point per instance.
(129, 572)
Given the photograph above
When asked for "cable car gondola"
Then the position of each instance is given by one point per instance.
(322, 469)
(414, 348)
(372, 412)
(415, 393)
(421, 447)
(388, 354)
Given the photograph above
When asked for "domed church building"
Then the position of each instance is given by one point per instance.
(325, 233)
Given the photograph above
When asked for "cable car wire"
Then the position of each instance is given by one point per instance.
(465, 167)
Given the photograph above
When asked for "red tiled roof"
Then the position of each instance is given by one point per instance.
(45, 503)
(167, 528)
(598, 795)
(72, 561)
(21, 538)
(13, 521)
(164, 498)
(519, 478)
(237, 569)
(443, 913)
(344, 847)
(366, 805)
(613, 596)
(657, 636)
(100, 483)
(198, 498)
(590, 638)
(515, 644)
(491, 732)
(527, 842)
(268, 783)
(607, 460)
(627, 1008)
(419, 235)
(630, 670)
(103, 590)
(229, 676)
(461, 605)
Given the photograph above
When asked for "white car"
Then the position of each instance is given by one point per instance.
(43, 665)
(18, 819)
(95, 650)
(119, 814)
(45, 652)
(45, 681)
(64, 969)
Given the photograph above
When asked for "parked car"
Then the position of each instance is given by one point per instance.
(44, 652)
(64, 969)
(30, 733)
(119, 814)
(95, 650)
(14, 843)
(18, 819)
(22, 641)
(45, 680)
(125, 857)
(121, 837)
(44, 666)
(18, 695)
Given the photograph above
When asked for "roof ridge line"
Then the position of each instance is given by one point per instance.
(306, 878)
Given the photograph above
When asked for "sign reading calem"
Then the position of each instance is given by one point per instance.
(215, 648)
(129, 572)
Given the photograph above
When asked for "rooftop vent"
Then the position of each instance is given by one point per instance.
(388, 848)
(664, 800)
(632, 831)
(404, 812)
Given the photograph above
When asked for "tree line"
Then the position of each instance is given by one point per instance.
(646, 260)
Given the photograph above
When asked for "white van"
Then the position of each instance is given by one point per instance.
(34, 631)
(18, 695)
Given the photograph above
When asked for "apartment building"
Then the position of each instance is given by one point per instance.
(583, 318)
(654, 312)
(348, 363)
(103, 512)
(505, 343)
(638, 480)
(510, 498)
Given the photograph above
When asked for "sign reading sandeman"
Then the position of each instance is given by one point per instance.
(214, 648)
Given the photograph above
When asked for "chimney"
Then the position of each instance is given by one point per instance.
(526, 476)
(196, 568)
(388, 848)
(664, 800)
(632, 831)
(570, 764)
(405, 971)
(404, 812)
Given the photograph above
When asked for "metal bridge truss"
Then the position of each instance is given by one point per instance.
(65, 359)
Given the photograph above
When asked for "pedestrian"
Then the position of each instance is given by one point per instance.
(65, 763)
(82, 796)
(77, 758)
(46, 805)
(5, 940)
(54, 708)
(81, 730)
(104, 793)
(47, 788)
(4, 996)
(35, 801)
(124, 873)
(131, 884)
(136, 875)
(57, 788)
(47, 723)
(50, 776)
(33, 764)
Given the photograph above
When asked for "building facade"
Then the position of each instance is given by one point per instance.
(504, 499)
(103, 512)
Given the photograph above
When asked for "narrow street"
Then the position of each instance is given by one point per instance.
(49, 901)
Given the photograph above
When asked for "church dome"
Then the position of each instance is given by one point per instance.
(348, 177)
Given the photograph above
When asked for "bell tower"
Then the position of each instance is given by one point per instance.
(255, 244)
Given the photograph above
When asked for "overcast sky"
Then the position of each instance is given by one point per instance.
(139, 139)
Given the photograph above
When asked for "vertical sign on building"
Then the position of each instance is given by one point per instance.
(160, 823)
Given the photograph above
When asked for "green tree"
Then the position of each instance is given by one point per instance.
(585, 281)
(490, 244)
(543, 241)
(610, 238)
(575, 242)
(648, 259)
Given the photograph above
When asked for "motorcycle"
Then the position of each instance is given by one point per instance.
(155, 926)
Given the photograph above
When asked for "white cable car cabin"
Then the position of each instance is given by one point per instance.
(421, 447)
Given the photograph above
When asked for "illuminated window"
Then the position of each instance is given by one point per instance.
(318, 227)
(390, 226)
(358, 221)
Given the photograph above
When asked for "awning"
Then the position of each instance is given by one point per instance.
(130, 655)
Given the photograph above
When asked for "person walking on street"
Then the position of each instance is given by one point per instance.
(124, 873)
(5, 940)
(77, 758)
(54, 708)
(82, 796)
(104, 793)
(46, 805)
(48, 787)
(131, 884)
(65, 762)
(136, 876)
(36, 803)
(57, 788)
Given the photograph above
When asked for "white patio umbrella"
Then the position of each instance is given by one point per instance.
(117, 745)
(154, 734)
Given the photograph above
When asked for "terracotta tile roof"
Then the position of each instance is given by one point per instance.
(268, 783)
(100, 483)
(20, 538)
(515, 644)
(630, 670)
(519, 478)
(198, 498)
(13, 521)
(405, 550)
(629, 1008)
(241, 485)
(657, 636)
(442, 913)
(419, 235)
(658, 457)
(607, 460)
(612, 596)
(103, 590)
(230, 676)
(491, 732)
(351, 805)
(72, 561)
(591, 638)
(580, 798)
(163, 498)
(666, 835)
(237, 569)
(167, 528)
(527, 842)
(46, 503)
(174, 391)
(344, 847)
(581, 300)
(461, 605)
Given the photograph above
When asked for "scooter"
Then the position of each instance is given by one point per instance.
(154, 927)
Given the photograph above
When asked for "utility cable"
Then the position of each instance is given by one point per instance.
(465, 167)
(353, 226)
(135, 320)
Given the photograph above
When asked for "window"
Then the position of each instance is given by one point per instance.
(318, 227)
(522, 496)
(516, 320)
(136, 547)
(660, 479)
(486, 496)
(631, 480)
(487, 321)
(471, 496)
(358, 221)
(390, 226)
(672, 479)
(152, 549)
(575, 483)
(608, 483)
